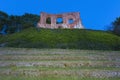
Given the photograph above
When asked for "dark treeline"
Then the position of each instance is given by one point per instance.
(11, 23)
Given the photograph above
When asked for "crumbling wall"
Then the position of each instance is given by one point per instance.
(65, 20)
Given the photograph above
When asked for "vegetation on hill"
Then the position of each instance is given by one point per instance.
(12, 23)
(62, 38)
(116, 26)
(21, 32)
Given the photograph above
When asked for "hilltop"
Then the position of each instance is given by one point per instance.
(62, 38)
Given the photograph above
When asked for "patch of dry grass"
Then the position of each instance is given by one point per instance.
(58, 64)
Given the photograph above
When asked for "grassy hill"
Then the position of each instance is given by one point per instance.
(62, 38)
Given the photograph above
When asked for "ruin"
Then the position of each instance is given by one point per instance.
(66, 20)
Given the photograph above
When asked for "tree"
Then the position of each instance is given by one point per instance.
(116, 26)
(17, 23)
(3, 18)
(29, 20)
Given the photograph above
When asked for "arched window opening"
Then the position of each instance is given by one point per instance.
(71, 21)
(59, 20)
(48, 20)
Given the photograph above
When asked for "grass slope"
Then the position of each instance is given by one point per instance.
(63, 38)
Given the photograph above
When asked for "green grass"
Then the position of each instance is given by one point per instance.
(55, 77)
(63, 38)
(32, 64)
(50, 68)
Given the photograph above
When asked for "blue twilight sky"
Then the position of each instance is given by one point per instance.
(95, 14)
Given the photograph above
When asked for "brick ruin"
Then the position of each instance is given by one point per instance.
(65, 20)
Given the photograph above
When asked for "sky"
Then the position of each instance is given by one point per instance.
(95, 14)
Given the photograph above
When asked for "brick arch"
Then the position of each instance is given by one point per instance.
(48, 20)
(71, 17)
(59, 20)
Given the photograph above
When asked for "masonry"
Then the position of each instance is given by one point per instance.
(66, 20)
